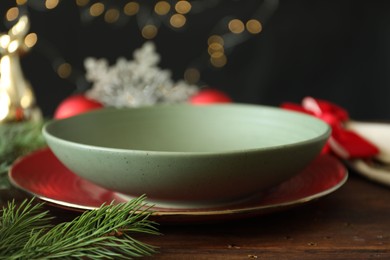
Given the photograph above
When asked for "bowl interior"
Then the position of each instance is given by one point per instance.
(187, 128)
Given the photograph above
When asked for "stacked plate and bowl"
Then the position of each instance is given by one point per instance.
(186, 156)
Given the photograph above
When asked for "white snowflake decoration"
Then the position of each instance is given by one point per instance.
(134, 83)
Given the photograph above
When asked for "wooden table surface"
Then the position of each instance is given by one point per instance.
(351, 223)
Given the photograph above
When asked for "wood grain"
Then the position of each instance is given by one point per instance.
(351, 223)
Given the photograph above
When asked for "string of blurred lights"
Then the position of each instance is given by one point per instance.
(150, 15)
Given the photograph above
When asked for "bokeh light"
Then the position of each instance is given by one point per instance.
(218, 60)
(131, 8)
(111, 15)
(12, 14)
(215, 47)
(64, 70)
(183, 7)
(215, 39)
(13, 46)
(236, 26)
(96, 9)
(21, 2)
(162, 8)
(4, 40)
(177, 20)
(51, 4)
(30, 40)
(254, 26)
(149, 31)
(82, 2)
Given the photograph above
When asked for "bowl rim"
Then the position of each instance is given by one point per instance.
(323, 136)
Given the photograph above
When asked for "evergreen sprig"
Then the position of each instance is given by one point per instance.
(26, 232)
(18, 139)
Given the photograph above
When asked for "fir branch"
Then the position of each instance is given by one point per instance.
(4, 182)
(17, 139)
(97, 234)
(16, 222)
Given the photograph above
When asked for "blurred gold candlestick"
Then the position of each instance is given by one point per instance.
(17, 101)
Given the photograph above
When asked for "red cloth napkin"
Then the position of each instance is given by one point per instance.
(343, 142)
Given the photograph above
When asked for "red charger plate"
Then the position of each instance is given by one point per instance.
(42, 175)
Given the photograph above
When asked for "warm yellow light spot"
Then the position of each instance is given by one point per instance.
(112, 15)
(26, 101)
(215, 47)
(178, 20)
(82, 2)
(183, 7)
(254, 26)
(192, 75)
(13, 46)
(4, 104)
(51, 4)
(217, 55)
(149, 31)
(21, 2)
(218, 61)
(96, 9)
(64, 70)
(162, 7)
(131, 8)
(30, 40)
(236, 26)
(215, 39)
(12, 14)
(20, 26)
(5, 68)
(4, 40)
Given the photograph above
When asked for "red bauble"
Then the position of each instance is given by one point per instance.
(209, 96)
(75, 105)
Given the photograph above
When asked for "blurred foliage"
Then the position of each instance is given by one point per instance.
(18, 139)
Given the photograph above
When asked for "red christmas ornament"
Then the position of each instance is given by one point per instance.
(209, 96)
(75, 105)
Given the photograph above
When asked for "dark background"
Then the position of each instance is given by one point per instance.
(330, 49)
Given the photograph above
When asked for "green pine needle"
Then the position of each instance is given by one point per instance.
(26, 232)
(17, 139)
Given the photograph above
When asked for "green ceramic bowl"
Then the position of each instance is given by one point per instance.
(185, 155)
